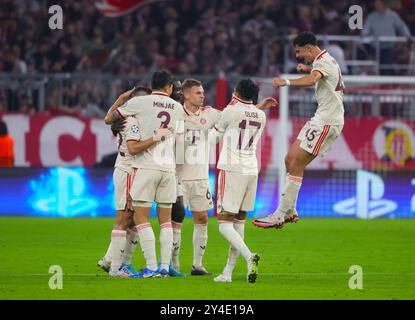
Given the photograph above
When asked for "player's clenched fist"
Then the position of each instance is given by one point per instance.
(301, 67)
(277, 82)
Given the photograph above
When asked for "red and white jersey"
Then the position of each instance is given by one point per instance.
(196, 144)
(329, 91)
(130, 132)
(155, 111)
(241, 124)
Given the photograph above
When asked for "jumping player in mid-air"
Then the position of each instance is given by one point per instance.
(319, 133)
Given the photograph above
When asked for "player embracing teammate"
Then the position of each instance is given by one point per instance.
(155, 167)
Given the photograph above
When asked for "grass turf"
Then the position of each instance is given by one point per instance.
(308, 260)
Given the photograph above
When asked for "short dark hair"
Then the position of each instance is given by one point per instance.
(3, 129)
(247, 90)
(305, 38)
(190, 83)
(140, 88)
(160, 79)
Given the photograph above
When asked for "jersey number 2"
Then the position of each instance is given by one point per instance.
(166, 119)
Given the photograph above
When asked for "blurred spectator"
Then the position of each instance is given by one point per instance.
(6, 147)
(337, 52)
(187, 37)
(88, 108)
(385, 22)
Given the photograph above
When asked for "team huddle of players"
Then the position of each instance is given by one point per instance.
(164, 158)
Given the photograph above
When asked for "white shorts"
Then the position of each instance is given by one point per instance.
(122, 184)
(237, 192)
(197, 195)
(317, 139)
(153, 185)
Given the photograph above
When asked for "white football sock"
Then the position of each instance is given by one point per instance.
(289, 195)
(148, 244)
(200, 236)
(233, 237)
(130, 245)
(107, 256)
(118, 239)
(177, 239)
(239, 226)
(166, 244)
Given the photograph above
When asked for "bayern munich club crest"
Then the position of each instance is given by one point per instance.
(203, 121)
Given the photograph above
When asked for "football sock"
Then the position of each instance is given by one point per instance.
(130, 245)
(108, 253)
(200, 237)
(166, 244)
(177, 239)
(289, 195)
(148, 244)
(227, 230)
(118, 239)
(233, 254)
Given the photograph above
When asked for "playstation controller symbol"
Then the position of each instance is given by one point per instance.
(368, 202)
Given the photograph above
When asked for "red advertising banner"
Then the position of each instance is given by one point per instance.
(366, 143)
(59, 141)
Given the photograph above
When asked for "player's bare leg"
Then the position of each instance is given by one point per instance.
(233, 254)
(226, 228)
(146, 237)
(166, 237)
(295, 162)
(200, 237)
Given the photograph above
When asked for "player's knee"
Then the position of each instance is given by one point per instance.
(200, 217)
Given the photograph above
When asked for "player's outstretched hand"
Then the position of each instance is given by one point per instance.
(267, 103)
(301, 67)
(162, 133)
(118, 126)
(277, 82)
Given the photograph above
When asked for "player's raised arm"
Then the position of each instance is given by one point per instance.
(306, 81)
(112, 114)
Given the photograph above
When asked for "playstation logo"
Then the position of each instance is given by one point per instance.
(368, 203)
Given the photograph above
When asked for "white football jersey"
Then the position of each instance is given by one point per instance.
(130, 132)
(196, 144)
(241, 124)
(329, 91)
(155, 111)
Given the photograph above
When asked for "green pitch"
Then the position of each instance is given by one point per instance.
(307, 260)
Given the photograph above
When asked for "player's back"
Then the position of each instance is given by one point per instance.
(156, 111)
(243, 125)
